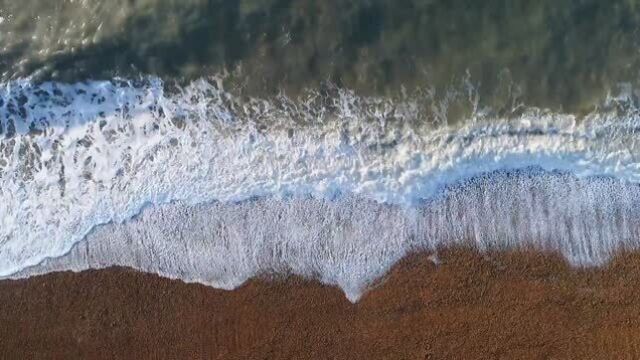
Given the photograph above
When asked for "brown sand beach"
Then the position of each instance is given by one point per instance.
(523, 305)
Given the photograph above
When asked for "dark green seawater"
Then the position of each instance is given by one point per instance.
(561, 54)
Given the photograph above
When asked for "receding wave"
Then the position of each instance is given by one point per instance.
(198, 184)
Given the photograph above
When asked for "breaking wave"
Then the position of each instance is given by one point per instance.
(198, 184)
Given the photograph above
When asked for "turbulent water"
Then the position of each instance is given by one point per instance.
(194, 181)
(335, 186)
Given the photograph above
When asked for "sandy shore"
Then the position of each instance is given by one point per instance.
(500, 305)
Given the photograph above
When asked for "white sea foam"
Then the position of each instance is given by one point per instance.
(338, 188)
(351, 241)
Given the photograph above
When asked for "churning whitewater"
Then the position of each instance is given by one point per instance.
(198, 184)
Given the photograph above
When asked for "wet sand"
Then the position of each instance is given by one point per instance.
(472, 306)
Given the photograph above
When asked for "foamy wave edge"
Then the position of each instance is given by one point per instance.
(129, 149)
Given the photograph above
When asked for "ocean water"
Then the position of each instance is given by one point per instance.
(151, 150)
